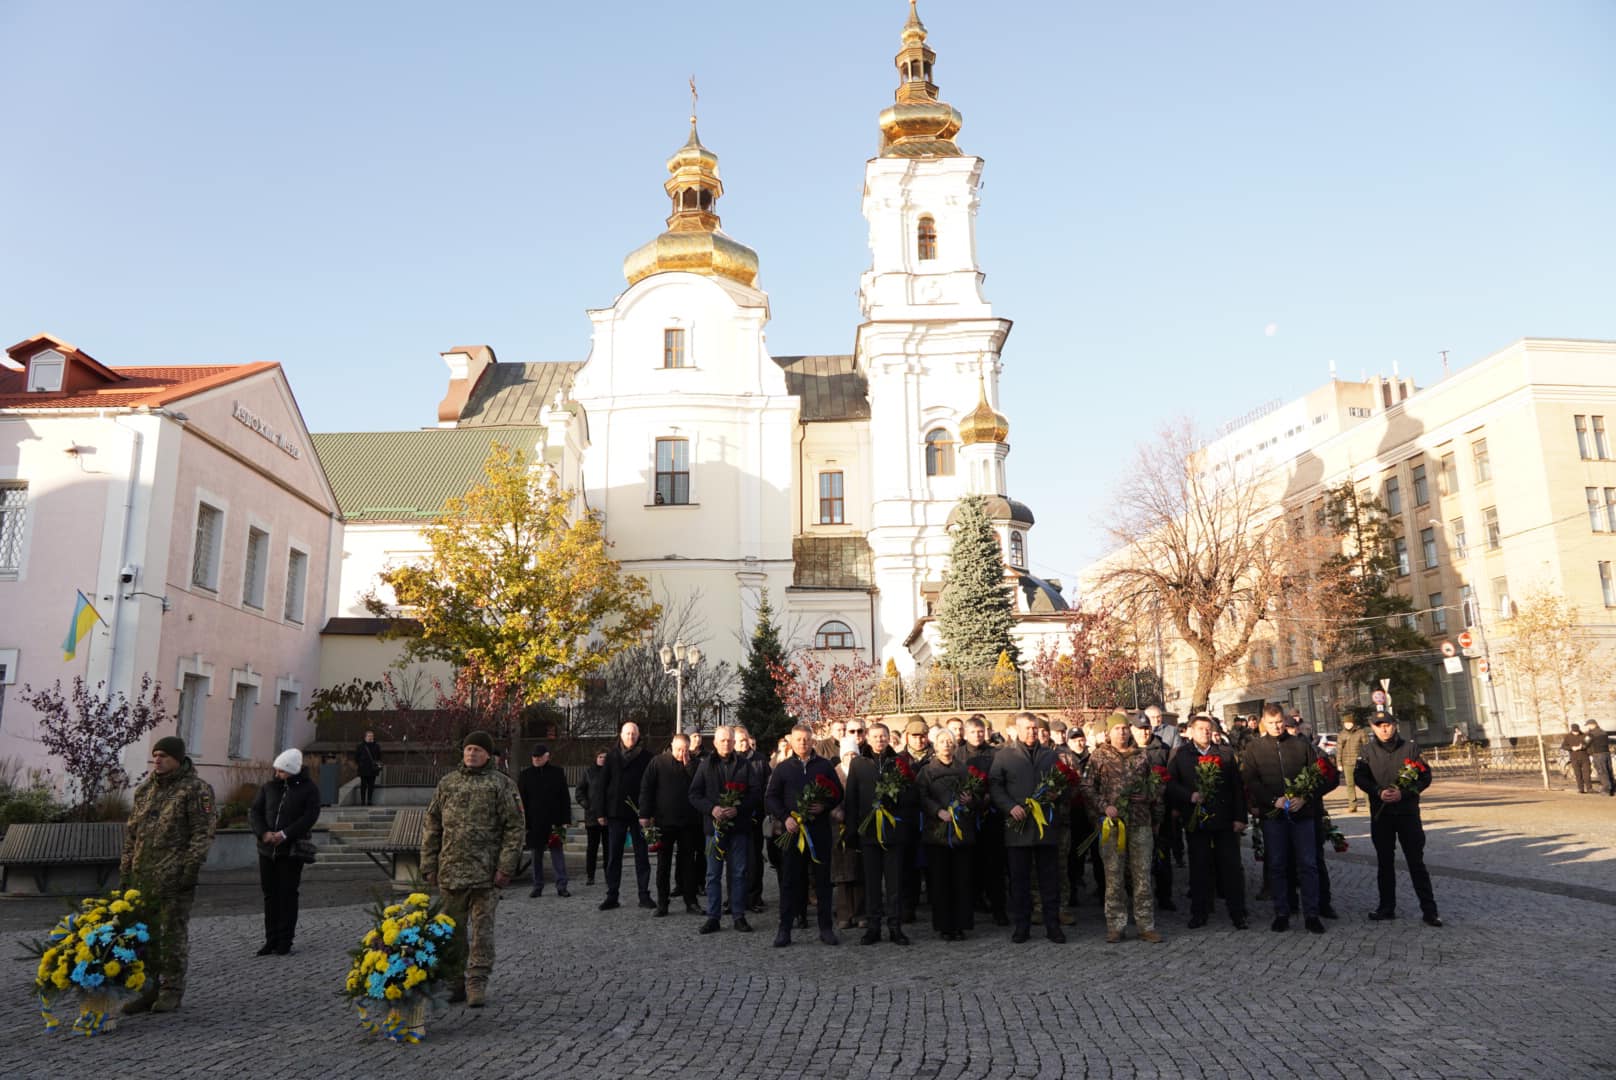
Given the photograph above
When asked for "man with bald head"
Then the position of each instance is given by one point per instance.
(613, 807)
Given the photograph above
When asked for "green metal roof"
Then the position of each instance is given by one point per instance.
(408, 475)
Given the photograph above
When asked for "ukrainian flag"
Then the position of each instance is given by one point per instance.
(84, 617)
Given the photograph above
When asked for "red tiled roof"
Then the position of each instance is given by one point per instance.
(150, 386)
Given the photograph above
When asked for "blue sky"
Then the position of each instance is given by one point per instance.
(351, 188)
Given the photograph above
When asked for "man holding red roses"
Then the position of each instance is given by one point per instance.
(1276, 768)
(802, 792)
(880, 809)
(1392, 773)
(726, 793)
(1204, 783)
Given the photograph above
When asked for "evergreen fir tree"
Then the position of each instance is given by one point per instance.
(761, 711)
(976, 611)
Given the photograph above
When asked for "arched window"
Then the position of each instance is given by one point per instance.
(1018, 550)
(939, 453)
(927, 235)
(834, 635)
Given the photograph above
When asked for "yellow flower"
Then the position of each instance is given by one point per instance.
(60, 979)
(444, 920)
(391, 909)
(393, 992)
(132, 895)
(120, 906)
(112, 968)
(413, 976)
(135, 981)
(372, 937)
(418, 899)
(83, 954)
(353, 980)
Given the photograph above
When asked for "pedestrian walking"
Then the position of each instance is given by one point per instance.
(282, 815)
(1348, 748)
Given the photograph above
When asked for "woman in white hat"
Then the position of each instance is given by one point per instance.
(283, 813)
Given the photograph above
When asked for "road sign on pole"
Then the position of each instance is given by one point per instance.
(1448, 649)
(1386, 684)
(1379, 696)
(1466, 640)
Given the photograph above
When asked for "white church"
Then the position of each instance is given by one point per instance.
(720, 470)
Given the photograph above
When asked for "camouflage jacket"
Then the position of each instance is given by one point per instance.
(170, 828)
(473, 828)
(1110, 772)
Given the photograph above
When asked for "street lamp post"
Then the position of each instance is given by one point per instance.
(674, 658)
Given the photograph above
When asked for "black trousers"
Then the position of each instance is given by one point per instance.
(1581, 766)
(1023, 862)
(679, 858)
(280, 879)
(948, 884)
(597, 837)
(795, 870)
(367, 789)
(883, 881)
(616, 830)
(1602, 773)
(988, 865)
(1162, 864)
(1387, 831)
(913, 868)
(754, 867)
(1214, 858)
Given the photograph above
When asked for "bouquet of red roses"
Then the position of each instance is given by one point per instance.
(653, 835)
(895, 775)
(971, 788)
(822, 792)
(1047, 795)
(1208, 778)
(1304, 784)
(1408, 777)
(558, 838)
(729, 798)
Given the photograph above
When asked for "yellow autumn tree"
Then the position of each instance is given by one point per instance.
(516, 588)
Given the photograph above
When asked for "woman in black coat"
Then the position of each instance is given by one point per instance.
(283, 813)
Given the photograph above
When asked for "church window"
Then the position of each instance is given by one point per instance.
(1018, 550)
(939, 453)
(672, 472)
(673, 348)
(832, 508)
(927, 233)
(834, 635)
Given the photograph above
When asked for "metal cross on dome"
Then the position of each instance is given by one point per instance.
(693, 97)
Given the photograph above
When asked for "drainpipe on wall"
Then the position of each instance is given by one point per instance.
(136, 447)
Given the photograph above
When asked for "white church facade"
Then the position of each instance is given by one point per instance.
(721, 470)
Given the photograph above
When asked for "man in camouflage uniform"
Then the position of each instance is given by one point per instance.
(164, 845)
(1349, 748)
(471, 847)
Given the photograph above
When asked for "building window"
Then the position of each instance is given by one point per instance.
(1601, 446)
(834, 635)
(297, 580)
(1394, 496)
(1422, 490)
(1584, 447)
(205, 555)
(1501, 597)
(1018, 549)
(1610, 509)
(285, 705)
(1596, 510)
(926, 235)
(673, 348)
(1400, 549)
(1489, 526)
(44, 376)
(1273, 657)
(241, 719)
(1290, 650)
(1428, 547)
(1607, 587)
(252, 581)
(1461, 549)
(672, 472)
(13, 516)
(1467, 604)
(1439, 614)
(831, 505)
(192, 691)
(1448, 478)
(1484, 463)
(939, 453)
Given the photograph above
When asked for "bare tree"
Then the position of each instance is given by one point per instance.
(1547, 651)
(635, 683)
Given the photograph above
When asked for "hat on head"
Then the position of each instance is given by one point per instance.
(916, 726)
(172, 745)
(290, 761)
(1141, 721)
(1116, 720)
(479, 738)
(540, 749)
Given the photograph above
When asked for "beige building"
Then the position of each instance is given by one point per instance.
(1500, 480)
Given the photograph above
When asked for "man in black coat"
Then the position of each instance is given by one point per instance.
(283, 812)
(807, 841)
(545, 808)
(1394, 815)
(1289, 825)
(732, 850)
(746, 746)
(596, 832)
(883, 842)
(1599, 755)
(665, 802)
(1213, 825)
(987, 854)
(612, 806)
(1017, 770)
(368, 760)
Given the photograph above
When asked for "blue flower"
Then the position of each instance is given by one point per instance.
(123, 955)
(93, 981)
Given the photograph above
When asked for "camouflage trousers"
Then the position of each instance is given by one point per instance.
(174, 946)
(473, 911)
(1122, 867)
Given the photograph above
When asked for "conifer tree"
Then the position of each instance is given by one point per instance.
(761, 710)
(976, 612)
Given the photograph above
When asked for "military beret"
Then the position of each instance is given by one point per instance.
(479, 738)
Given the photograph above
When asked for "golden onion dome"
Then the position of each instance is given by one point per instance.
(917, 124)
(983, 424)
(694, 243)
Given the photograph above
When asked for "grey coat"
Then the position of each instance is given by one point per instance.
(1014, 777)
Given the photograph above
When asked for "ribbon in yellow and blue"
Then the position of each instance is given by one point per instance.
(84, 617)
(1038, 815)
(1121, 830)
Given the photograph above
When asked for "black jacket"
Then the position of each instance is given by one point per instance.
(368, 755)
(1269, 763)
(707, 788)
(291, 806)
(665, 792)
(863, 773)
(939, 789)
(587, 784)
(543, 789)
(1598, 740)
(1225, 808)
(785, 786)
(619, 783)
(1377, 770)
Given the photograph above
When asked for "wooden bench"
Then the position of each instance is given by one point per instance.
(83, 855)
(399, 856)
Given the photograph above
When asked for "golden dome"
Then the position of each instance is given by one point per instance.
(917, 124)
(983, 424)
(694, 243)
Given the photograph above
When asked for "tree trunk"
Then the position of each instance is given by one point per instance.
(1542, 754)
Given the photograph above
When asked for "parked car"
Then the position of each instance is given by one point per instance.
(1327, 744)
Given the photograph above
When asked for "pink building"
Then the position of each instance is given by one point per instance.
(189, 505)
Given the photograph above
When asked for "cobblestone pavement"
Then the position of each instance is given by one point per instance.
(1516, 985)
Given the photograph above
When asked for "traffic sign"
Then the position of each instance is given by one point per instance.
(1466, 640)
(1453, 665)
(1378, 697)
(1448, 649)
(1385, 684)
(1482, 666)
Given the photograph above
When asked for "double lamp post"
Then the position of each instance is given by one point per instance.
(674, 658)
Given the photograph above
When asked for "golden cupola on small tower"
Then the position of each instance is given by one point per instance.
(694, 243)
(917, 124)
(983, 424)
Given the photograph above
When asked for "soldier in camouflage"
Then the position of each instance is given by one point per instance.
(164, 845)
(471, 846)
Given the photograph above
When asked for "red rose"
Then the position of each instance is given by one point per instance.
(978, 773)
(733, 786)
(1161, 773)
(905, 768)
(1209, 759)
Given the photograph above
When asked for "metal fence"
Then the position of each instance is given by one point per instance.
(991, 690)
(1472, 762)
